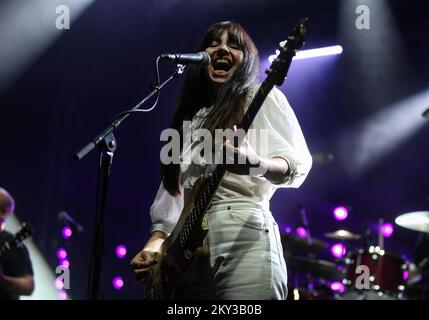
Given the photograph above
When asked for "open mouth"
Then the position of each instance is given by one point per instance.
(222, 65)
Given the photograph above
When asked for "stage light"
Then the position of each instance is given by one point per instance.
(341, 213)
(59, 284)
(121, 251)
(338, 250)
(65, 263)
(337, 287)
(67, 232)
(318, 52)
(27, 29)
(62, 295)
(405, 276)
(364, 145)
(118, 283)
(61, 253)
(301, 232)
(374, 55)
(387, 230)
(288, 229)
(311, 53)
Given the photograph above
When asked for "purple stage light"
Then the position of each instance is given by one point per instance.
(61, 253)
(62, 295)
(405, 275)
(65, 263)
(59, 284)
(301, 232)
(337, 287)
(338, 250)
(121, 251)
(67, 232)
(288, 230)
(118, 283)
(341, 213)
(387, 230)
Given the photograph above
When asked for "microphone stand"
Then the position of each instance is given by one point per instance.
(107, 145)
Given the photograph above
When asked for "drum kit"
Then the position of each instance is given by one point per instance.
(368, 272)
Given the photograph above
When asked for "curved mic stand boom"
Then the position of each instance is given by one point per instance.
(107, 145)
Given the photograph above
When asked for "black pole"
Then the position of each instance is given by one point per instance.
(107, 144)
(107, 150)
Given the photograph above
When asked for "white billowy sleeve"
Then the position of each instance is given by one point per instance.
(285, 138)
(165, 210)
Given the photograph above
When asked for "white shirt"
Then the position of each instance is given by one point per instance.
(285, 140)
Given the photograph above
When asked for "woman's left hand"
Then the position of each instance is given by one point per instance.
(241, 159)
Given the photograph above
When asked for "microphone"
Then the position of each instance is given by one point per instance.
(425, 113)
(65, 218)
(200, 58)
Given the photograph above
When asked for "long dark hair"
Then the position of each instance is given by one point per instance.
(230, 102)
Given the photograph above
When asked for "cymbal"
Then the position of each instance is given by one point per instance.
(417, 221)
(294, 244)
(342, 235)
(315, 267)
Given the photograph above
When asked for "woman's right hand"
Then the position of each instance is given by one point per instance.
(142, 263)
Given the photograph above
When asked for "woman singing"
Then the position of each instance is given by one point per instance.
(246, 256)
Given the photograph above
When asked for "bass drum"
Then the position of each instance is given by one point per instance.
(386, 274)
(353, 294)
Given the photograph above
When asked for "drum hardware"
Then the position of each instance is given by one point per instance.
(342, 235)
(317, 268)
(390, 276)
(386, 271)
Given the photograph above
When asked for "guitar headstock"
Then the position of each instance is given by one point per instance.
(279, 67)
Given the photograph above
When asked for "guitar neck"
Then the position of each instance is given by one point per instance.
(16, 240)
(205, 193)
(255, 105)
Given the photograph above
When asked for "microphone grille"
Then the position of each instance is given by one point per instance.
(206, 58)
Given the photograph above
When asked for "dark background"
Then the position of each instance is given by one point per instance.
(105, 63)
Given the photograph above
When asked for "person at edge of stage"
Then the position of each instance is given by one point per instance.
(16, 271)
